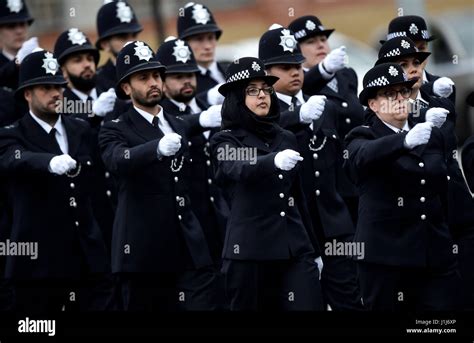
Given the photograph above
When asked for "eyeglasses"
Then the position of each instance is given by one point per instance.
(253, 91)
(392, 94)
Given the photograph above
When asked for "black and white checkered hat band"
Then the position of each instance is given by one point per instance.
(425, 34)
(396, 34)
(392, 53)
(300, 34)
(380, 81)
(241, 75)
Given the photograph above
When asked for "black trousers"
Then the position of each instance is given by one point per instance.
(389, 288)
(193, 290)
(280, 285)
(339, 282)
(92, 293)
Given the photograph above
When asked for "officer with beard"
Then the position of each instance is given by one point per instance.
(116, 25)
(78, 60)
(159, 251)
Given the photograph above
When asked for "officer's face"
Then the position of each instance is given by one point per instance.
(180, 86)
(291, 78)
(80, 65)
(391, 105)
(44, 99)
(12, 36)
(145, 88)
(314, 49)
(413, 68)
(204, 47)
(258, 104)
(114, 44)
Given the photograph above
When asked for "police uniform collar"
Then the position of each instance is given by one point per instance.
(182, 106)
(148, 116)
(47, 127)
(406, 127)
(8, 55)
(83, 96)
(287, 98)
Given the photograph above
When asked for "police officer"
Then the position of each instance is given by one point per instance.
(270, 249)
(415, 28)
(78, 60)
(159, 250)
(49, 158)
(179, 86)
(401, 174)
(196, 25)
(319, 146)
(117, 24)
(340, 89)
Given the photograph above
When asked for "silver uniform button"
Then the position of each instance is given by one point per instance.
(334, 136)
(316, 173)
(344, 104)
(421, 164)
(422, 199)
(423, 217)
(76, 223)
(209, 181)
(422, 181)
(189, 143)
(348, 120)
(282, 195)
(109, 193)
(282, 214)
(179, 217)
(318, 192)
(176, 179)
(72, 185)
(177, 198)
(107, 175)
(280, 177)
(449, 177)
(208, 163)
(89, 163)
(212, 199)
(315, 156)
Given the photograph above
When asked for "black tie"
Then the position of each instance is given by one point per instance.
(54, 141)
(294, 103)
(186, 110)
(155, 121)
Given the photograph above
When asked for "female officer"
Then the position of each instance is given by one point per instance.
(270, 248)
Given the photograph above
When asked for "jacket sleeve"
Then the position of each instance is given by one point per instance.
(366, 153)
(228, 168)
(118, 157)
(313, 81)
(15, 158)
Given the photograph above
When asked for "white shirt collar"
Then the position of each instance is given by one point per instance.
(215, 72)
(83, 96)
(425, 77)
(149, 117)
(8, 55)
(418, 97)
(193, 104)
(406, 127)
(287, 98)
(58, 125)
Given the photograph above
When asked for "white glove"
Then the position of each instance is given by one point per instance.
(443, 87)
(419, 135)
(62, 164)
(211, 117)
(335, 60)
(319, 262)
(214, 97)
(287, 159)
(104, 103)
(437, 116)
(169, 144)
(312, 109)
(26, 49)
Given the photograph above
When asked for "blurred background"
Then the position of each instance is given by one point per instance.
(359, 24)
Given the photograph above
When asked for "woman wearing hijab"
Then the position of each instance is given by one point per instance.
(271, 256)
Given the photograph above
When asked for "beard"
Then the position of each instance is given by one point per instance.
(185, 98)
(147, 100)
(85, 85)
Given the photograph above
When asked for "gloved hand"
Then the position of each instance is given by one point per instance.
(62, 164)
(335, 60)
(169, 144)
(26, 49)
(437, 116)
(443, 87)
(287, 159)
(211, 117)
(104, 103)
(312, 109)
(214, 97)
(419, 135)
(319, 262)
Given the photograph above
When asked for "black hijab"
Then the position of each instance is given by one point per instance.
(235, 114)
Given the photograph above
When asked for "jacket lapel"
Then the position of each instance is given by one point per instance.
(38, 136)
(142, 127)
